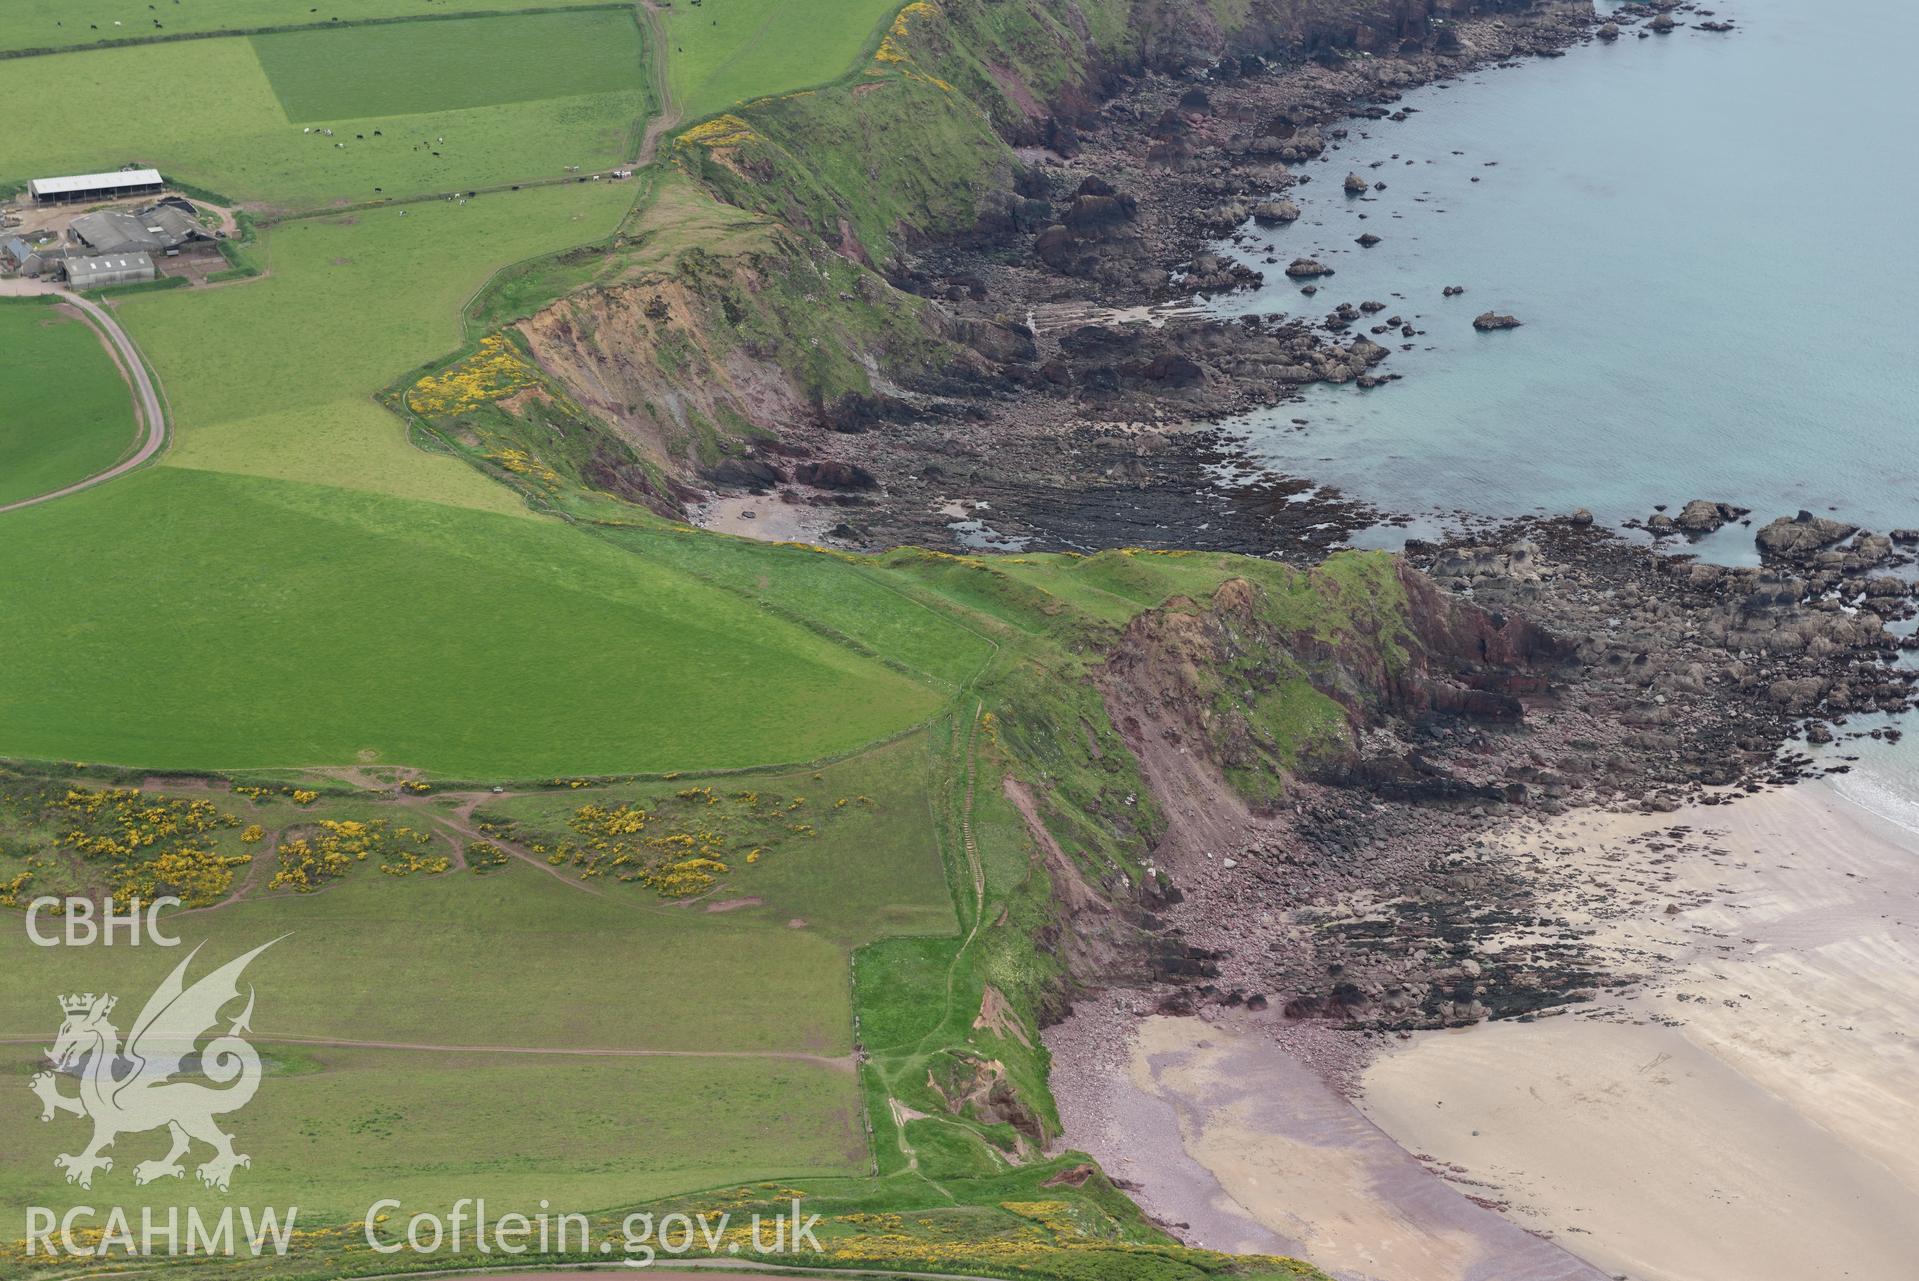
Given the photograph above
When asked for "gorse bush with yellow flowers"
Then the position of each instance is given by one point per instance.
(12, 891)
(720, 131)
(333, 847)
(484, 856)
(152, 845)
(122, 821)
(494, 371)
(681, 844)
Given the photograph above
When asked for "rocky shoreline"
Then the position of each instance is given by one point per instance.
(1660, 680)
(1082, 415)
(1382, 897)
(1085, 416)
(1086, 408)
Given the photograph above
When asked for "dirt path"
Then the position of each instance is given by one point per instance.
(146, 401)
(460, 824)
(668, 117)
(842, 1063)
(880, 1061)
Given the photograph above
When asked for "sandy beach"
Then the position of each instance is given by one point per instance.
(1236, 1145)
(1748, 1112)
(1752, 1114)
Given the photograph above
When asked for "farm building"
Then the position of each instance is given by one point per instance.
(14, 253)
(89, 271)
(163, 228)
(95, 186)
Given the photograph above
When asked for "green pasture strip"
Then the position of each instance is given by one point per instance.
(420, 67)
(38, 27)
(842, 596)
(722, 54)
(518, 958)
(868, 868)
(269, 612)
(333, 1130)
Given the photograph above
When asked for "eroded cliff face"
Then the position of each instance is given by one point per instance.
(1264, 684)
(1322, 748)
(704, 368)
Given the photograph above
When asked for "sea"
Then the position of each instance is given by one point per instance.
(1709, 240)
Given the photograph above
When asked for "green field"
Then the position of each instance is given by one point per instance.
(414, 68)
(517, 958)
(55, 24)
(65, 410)
(287, 624)
(334, 1129)
(723, 53)
(530, 119)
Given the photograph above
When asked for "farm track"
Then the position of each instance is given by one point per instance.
(667, 118)
(146, 401)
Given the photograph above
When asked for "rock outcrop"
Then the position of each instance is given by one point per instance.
(1799, 537)
(1703, 516)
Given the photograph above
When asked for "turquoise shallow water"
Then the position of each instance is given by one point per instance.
(1710, 240)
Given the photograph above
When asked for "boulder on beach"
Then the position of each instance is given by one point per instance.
(1486, 321)
(1663, 23)
(1453, 291)
(1273, 212)
(1703, 516)
(1307, 268)
(1355, 185)
(1610, 31)
(1799, 537)
(1367, 241)
(834, 475)
(1582, 518)
(1174, 370)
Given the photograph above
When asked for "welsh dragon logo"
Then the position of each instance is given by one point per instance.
(130, 1090)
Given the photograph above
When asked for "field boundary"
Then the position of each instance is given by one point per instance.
(643, 134)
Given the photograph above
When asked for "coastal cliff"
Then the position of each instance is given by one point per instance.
(882, 241)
